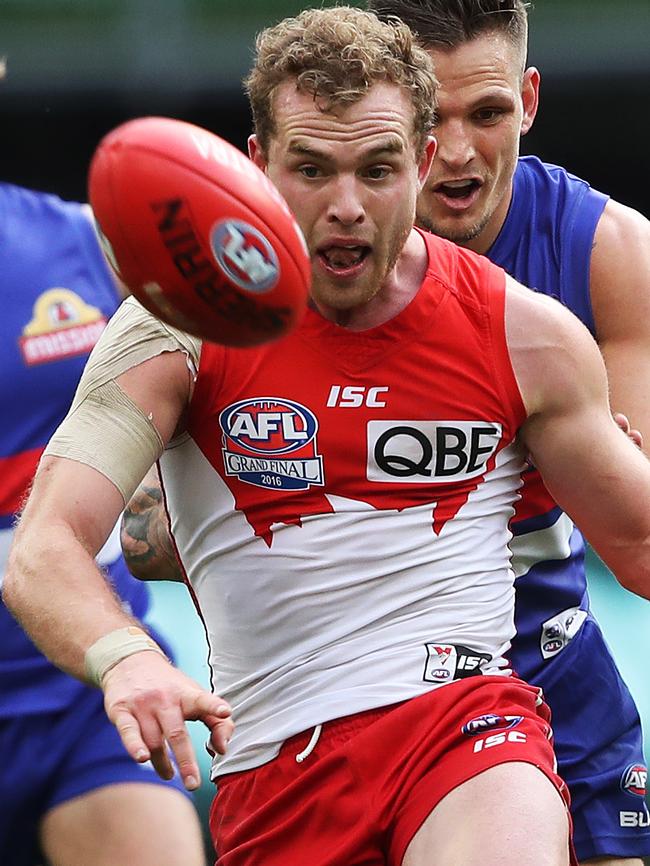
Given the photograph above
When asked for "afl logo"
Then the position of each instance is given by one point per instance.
(268, 425)
(245, 256)
(490, 722)
(271, 442)
(634, 780)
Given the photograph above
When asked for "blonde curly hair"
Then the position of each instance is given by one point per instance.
(337, 54)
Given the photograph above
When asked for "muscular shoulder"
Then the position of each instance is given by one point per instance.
(620, 273)
(554, 357)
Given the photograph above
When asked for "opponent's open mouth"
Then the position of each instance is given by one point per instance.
(458, 188)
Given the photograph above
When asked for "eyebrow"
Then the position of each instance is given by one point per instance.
(391, 145)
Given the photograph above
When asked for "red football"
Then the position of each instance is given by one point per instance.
(198, 233)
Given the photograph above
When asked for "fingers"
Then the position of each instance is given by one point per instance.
(221, 731)
(155, 736)
(129, 731)
(154, 727)
(623, 422)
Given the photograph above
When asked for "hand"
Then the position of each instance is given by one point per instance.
(148, 700)
(624, 424)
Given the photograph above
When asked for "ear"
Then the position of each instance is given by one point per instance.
(426, 159)
(529, 97)
(255, 152)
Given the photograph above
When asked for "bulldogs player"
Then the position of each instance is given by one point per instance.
(549, 230)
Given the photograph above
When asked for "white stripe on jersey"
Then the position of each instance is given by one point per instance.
(542, 545)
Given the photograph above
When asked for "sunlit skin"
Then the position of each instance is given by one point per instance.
(486, 103)
(352, 174)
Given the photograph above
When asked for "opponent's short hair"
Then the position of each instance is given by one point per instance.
(449, 23)
(337, 54)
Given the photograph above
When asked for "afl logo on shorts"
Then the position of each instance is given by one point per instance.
(634, 779)
(271, 442)
(490, 722)
(245, 256)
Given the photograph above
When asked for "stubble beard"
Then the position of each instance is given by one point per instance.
(460, 236)
(370, 284)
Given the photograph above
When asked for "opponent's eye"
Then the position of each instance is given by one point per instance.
(378, 172)
(309, 171)
(488, 115)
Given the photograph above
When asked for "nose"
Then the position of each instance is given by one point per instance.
(455, 146)
(346, 205)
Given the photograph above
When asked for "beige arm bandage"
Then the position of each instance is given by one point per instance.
(104, 428)
(113, 647)
(110, 433)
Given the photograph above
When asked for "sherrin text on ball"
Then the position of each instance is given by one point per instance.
(198, 233)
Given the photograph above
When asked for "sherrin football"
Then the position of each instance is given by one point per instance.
(198, 233)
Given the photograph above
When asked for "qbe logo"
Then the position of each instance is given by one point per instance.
(271, 442)
(634, 779)
(430, 452)
(245, 256)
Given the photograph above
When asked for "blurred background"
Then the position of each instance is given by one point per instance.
(76, 68)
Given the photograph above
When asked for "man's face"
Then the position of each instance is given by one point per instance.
(351, 176)
(485, 104)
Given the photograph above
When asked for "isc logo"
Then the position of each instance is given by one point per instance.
(499, 740)
(245, 256)
(426, 452)
(353, 396)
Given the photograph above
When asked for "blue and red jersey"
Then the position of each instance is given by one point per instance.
(57, 294)
(546, 243)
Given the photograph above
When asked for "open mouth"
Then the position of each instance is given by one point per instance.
(460, 190)
(343, 259)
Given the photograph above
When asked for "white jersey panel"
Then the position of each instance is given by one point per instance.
(337, 614)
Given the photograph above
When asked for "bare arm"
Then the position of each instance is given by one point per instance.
(145, 537)
(620, 296)
(54, 588)
(591, 468)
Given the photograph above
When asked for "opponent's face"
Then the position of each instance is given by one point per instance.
(486, 102)
(351, 176)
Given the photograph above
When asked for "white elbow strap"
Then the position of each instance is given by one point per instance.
(113, 647)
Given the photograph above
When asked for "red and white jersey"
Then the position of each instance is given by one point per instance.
(341, 502)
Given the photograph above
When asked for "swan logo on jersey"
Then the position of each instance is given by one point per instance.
(245, 256)
(62, 325)
(430, 452)
(634, 780)
(447, 661)
(490, 722)
(271, 442)
(560, 630)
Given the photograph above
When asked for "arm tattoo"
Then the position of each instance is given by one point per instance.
(145, 537)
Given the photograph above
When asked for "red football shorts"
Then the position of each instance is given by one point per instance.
(361, 794)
